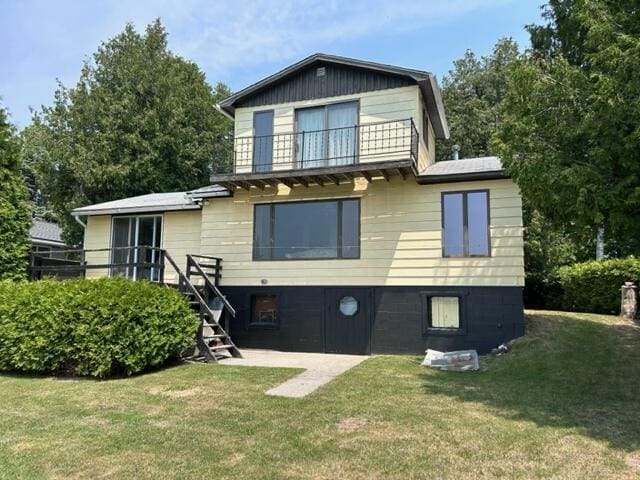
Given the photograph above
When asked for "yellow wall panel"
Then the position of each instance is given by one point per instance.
(400, 238)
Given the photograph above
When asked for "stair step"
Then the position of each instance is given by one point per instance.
(217, 335)
(221, 347)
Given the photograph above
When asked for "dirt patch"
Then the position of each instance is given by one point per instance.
(633, 462)
(175, 394)
(94, 421)
(23, 446)
(163, 424)
(351, 424)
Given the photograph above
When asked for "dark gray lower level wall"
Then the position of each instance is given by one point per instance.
(396, 318)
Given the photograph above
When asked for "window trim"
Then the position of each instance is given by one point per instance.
(465, 223)
(339, 230)
(425, 300)
(263, 325)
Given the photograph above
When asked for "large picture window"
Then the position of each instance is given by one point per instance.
(465, 224)
(306, 230)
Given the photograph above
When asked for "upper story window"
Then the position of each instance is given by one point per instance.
(326, 136)
(425, 127)
(305, 230)
(465, 224)
(263, 141)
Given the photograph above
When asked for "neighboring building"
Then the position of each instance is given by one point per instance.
(46, 239)
(338, 231)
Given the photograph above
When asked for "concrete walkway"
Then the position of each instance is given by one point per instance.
(320, 368)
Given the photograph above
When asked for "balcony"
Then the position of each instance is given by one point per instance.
(382, 149)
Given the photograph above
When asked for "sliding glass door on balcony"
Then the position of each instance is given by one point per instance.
(326, 136)
(127, 235)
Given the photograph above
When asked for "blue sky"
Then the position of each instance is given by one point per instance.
(238, 42)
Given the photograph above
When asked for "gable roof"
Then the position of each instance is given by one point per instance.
(42, 230)
(425, 80)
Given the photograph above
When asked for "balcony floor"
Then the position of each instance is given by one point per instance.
(316, 176)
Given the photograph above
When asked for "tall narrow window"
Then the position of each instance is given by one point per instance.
(465, 224)
(263, 141)
(425, 128)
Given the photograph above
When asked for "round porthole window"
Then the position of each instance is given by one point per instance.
(348, 306)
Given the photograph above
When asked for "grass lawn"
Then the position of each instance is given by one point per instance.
(565, 403)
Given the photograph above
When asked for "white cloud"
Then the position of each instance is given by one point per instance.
(234, 40)
(227, 34)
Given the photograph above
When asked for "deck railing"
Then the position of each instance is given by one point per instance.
(333, 147)
(137, 263)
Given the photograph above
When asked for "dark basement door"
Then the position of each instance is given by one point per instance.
(348, 320)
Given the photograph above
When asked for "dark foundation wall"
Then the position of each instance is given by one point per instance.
(397, 317)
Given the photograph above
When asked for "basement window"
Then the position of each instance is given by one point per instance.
(442, 313)
(264, 311)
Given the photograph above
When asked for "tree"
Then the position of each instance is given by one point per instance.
(33, 154)
(139, 120)
(570, 134)
(15, 218)
(472, 93)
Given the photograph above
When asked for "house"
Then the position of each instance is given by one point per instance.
(46, 239)
(337, 230)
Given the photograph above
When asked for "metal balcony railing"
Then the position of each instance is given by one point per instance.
(333, 147)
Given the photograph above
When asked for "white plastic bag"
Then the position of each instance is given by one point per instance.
(458, 361)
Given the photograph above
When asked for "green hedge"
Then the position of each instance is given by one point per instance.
(96, 328)
(595, 286)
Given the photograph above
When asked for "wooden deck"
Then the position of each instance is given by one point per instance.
(317, 176)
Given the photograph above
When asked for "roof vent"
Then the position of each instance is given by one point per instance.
(321, 71)
(456, 152)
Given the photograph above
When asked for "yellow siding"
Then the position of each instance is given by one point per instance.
(97, 235)
(426, 155)
(378, 106)
(400, 238)
(180, 236)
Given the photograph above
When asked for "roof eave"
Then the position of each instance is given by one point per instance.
(461, 177)
(141, 209)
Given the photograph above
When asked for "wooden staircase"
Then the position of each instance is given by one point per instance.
(213, 343)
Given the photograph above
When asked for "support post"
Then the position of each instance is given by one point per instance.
(629, 301)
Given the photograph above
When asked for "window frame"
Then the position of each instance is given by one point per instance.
(425, 127)
(465, 223)
(339, 201)
(137, 218)
(325, 129)
(427, 329)
(263, 325)
(254, 165)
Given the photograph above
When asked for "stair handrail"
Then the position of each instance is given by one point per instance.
(211, 285)
(189, 285)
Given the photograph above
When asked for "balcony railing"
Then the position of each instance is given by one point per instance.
(333, 147)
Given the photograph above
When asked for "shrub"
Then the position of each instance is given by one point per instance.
(595, 286)
(97, 328)
(15, 218)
